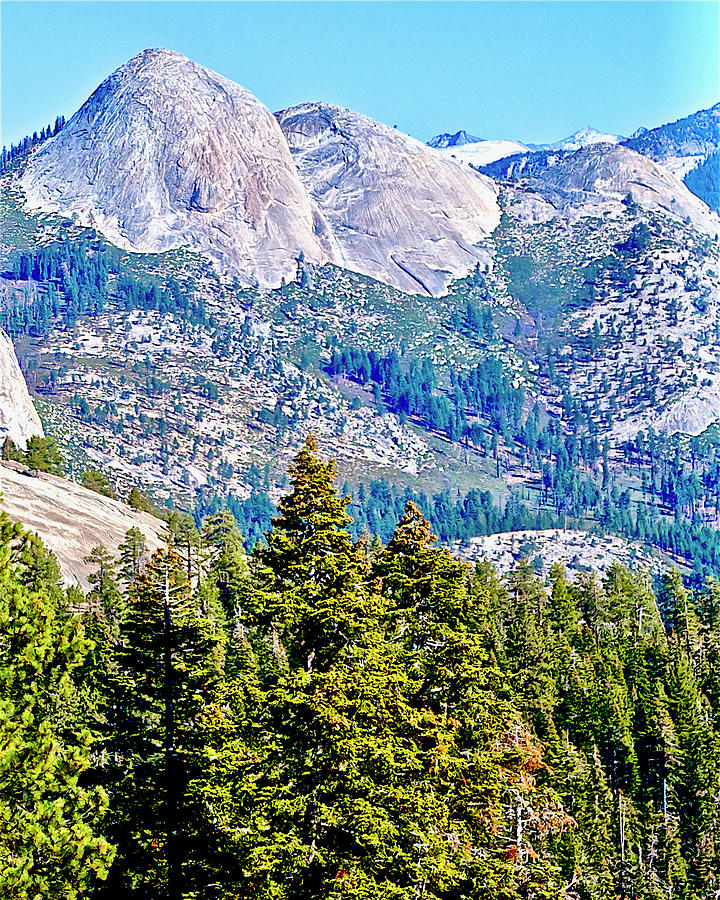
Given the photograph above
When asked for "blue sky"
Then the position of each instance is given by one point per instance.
(530, 71)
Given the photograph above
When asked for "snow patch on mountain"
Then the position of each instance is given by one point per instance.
(584, 137)
(481, 153)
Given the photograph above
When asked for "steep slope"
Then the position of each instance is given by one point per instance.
(681, 145)
(704, 180)
(612, 172)
(168, 154)
(18, 418)
(399, 210)
(613, 269)
(70, 519)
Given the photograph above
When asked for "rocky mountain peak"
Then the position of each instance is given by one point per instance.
(399, 210)
(460, 138)
(607, 172)
(166, 153)
(583, 137)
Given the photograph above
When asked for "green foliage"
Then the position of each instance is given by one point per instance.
(137, 500)
(98, 482)
(617, 701)
(704, 180)
(166, 662)
(50, 844)
(75, 279)
(23, 147)
(324, 719)
(42, 454)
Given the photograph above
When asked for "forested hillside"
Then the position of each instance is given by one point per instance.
(572, 383)
(330, 717)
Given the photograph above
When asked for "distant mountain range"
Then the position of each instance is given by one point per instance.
(584, 137)
(690, 143)
(478, 152)
(193, 283)
(220, 174)
(443, 141)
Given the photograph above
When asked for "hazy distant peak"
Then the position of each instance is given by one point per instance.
(441, 141)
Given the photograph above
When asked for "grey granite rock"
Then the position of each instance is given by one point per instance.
(398, 210)
(18, 418)
(71, 519)
(604, 173)
(168, 154)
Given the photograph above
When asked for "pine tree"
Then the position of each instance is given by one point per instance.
(696, 785)
(314, 564)
(132, 558)
(483, 759)
(167, 665)
(49, 841)
(104, 597)
(314, 782)
(103, 609)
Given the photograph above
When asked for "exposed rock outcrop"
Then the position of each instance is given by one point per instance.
(168, 154)
(612, 172)
(601, 175)
(483, 153)
(18, 417)
(398, 210)
(70, 519)
(576, 551)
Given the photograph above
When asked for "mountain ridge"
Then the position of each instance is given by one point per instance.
(166, 154)
(442, 141)
(397, 209)
(681, 144)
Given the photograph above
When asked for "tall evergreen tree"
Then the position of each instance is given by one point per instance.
(318, 787)
(481, 758)
(168, 662)
(50, 845)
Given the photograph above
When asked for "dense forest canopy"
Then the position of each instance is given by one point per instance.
(330, 717)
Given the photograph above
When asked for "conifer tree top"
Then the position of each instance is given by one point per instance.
(313, 503)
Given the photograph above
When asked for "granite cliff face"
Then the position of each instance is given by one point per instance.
(167, 154)
(399, 211)
(70, 519)
(18, 418)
